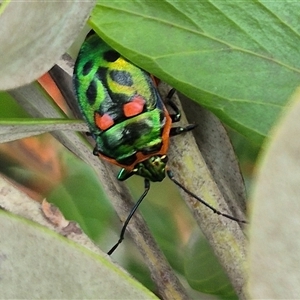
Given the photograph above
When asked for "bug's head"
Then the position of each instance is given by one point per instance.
(153, 168)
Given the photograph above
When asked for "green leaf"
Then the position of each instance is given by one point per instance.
(274, 251)
(239, 59)
(203, 271)
(64, 269)
(9, 108)
(50, 29)
(81, 198)
(17, 128)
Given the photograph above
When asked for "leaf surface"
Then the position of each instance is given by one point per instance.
(239, 59)
(50, 28)
(274, 233)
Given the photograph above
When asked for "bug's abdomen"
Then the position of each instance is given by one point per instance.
(121, 105)
(142, 133)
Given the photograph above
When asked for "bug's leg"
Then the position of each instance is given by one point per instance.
(179, 130)
(96, 151)
(171, 176)
(177, 115)
(133, 210)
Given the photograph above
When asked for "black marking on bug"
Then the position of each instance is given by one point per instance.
(121, 77)
(88, 66)
(111, 55)
(101, 74)
(134, 131)
(91, 92)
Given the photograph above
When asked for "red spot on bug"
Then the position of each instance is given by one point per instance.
(134, 107)
(103, 122)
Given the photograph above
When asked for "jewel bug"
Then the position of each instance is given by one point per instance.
(127, 117)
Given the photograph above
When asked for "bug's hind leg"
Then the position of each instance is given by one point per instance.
(176, 116)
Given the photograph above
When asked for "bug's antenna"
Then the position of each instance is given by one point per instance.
(171, 176)
(133, 210)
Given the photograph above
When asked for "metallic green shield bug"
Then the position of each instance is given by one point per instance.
(126, 116)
